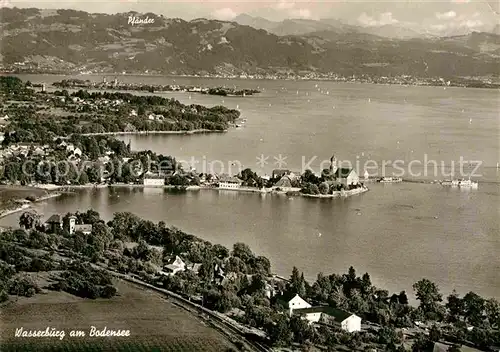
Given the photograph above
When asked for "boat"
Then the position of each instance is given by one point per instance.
(460, 183)
(467, 184)
(390, 179)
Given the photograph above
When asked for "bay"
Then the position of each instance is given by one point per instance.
(398, 233)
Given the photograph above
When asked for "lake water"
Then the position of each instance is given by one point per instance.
(398, 233)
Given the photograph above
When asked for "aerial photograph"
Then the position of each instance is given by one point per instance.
(237, 175)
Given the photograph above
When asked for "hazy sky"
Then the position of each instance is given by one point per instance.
(475, 14)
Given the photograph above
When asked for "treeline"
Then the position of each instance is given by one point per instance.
(36, 122)
(12, 86)
(223, 91)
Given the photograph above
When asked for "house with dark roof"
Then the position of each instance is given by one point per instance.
(278, 173)
(228, 182)
(331, 316)
(346, 176)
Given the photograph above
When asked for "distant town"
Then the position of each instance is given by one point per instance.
(404, 79)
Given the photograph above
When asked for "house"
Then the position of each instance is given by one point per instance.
(331, 316)
(285, 183)
(226, 182)
(194, 267)
(278, 173)
(292, 301)
(346, 176)
(72, 227)
(38, 151)
(77, 151)
(153, 180)
(85, 228)
(269, 290)
(177, 266)
(54, 223)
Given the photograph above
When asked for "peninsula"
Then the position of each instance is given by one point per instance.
(151, 88)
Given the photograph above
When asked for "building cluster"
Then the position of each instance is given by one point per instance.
(55, 223)
(80, 104)
(296, 305)
(284, 180)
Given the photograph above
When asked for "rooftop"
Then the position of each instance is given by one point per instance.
(225, 178)
(338, 314)
(342, 172)
(83, 228)
(56, 218)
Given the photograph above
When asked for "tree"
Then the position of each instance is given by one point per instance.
(242, 251)
(422, 344)
(323, 188)
(366, 283)
(455, 306)
(435, 334)
(474, 307)
(428, 294)
(262, 265)
(300, 328)
(29, 220)
(37, 239)
(492, 310)
(297, 282)
(387, 335)
(403, 298)
(279, 332)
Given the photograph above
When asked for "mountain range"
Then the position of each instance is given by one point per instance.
(75, 41)
(306, 26)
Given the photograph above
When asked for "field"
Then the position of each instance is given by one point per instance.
(154, 323)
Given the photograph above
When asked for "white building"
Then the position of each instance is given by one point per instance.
(77, 151)
(72, 227)
(346, 176)
(177, 266)
(292, 302)
(229, 183)
(346, 321)
(153, 180)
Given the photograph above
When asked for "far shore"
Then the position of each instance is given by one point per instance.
(151, 132)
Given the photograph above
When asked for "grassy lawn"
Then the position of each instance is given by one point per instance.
(154, 323)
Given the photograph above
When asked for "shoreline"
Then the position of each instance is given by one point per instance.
(198, 131)
(299, 79)
(26, 206)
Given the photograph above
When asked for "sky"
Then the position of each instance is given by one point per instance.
(436, 15)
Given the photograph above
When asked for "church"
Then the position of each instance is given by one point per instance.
(346, 176)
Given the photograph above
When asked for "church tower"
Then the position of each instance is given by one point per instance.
(333, 165)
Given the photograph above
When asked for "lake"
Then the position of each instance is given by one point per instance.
(399, 233)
